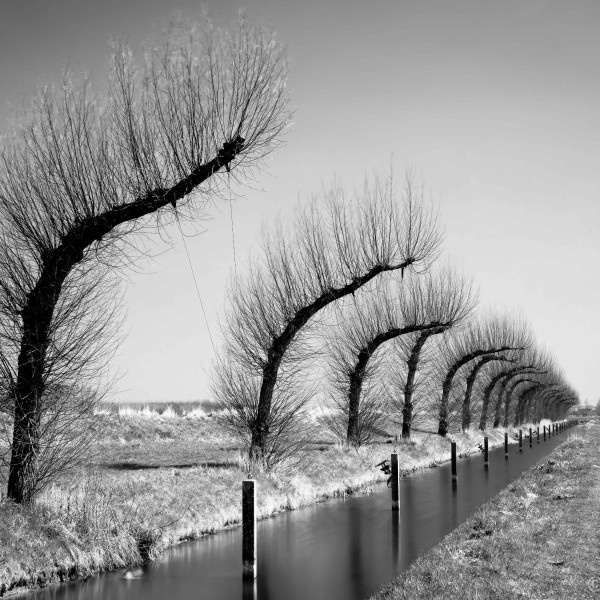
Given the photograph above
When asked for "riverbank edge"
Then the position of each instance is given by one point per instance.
(536, 539)
(361, 483)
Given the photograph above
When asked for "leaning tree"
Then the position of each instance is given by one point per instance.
(336, 245)
(478, 367)
(83, 173)
(490, 335)
(430, 303)
(534, 361)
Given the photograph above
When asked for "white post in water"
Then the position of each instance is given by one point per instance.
(395, 482)
(248, 529)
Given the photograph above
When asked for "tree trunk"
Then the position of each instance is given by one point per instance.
(486, 400)
(38, 312)
(280, 344)
(358, 374)
(507, 394)
(498, 408)
(447, 385)
(524, 400)
(466, 408)
(354, 392)
(413, 364)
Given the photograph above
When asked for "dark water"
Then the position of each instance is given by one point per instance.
(346, 549)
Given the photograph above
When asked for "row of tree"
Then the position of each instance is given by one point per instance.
(353, 280)
(83, 176)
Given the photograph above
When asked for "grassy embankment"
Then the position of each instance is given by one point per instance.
(156, 480)
(539, 538)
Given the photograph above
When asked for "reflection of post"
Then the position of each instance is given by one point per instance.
(520, 440)
(453, 460)
(506, 444)
(249, 591)
(486, 455)
(248, 529)
(530, 437)
(395, 482)
(396, 537)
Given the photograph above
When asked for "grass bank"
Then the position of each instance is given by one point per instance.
(155, 480)
(537, 539)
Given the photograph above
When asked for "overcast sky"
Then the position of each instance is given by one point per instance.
(495, 104)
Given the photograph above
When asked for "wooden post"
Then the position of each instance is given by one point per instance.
(506, 444)
(520, 440)
(453, 461)
(538, 434)
(486, 455)
(248, 529)
(395, 482)
(544, 433)
(530, 437)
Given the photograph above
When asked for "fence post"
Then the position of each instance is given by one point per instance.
(506, 444)
(538, 434)
(248, 529)
(486, 456)
(453, 460)
(395, 482)
(530, 437)
(520, 440)
(544, 433)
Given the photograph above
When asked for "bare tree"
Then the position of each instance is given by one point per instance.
(491, 335)
(84, 333)
(527, 395)
(511, 393)
(427, 303)
(450, 296)
(549, 395)
(470, 383)
(336, 246)
(533, 362)
(80, 175)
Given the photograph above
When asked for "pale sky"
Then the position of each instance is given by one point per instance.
(495, 104)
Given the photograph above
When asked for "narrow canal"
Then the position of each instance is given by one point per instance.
(340, 549)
